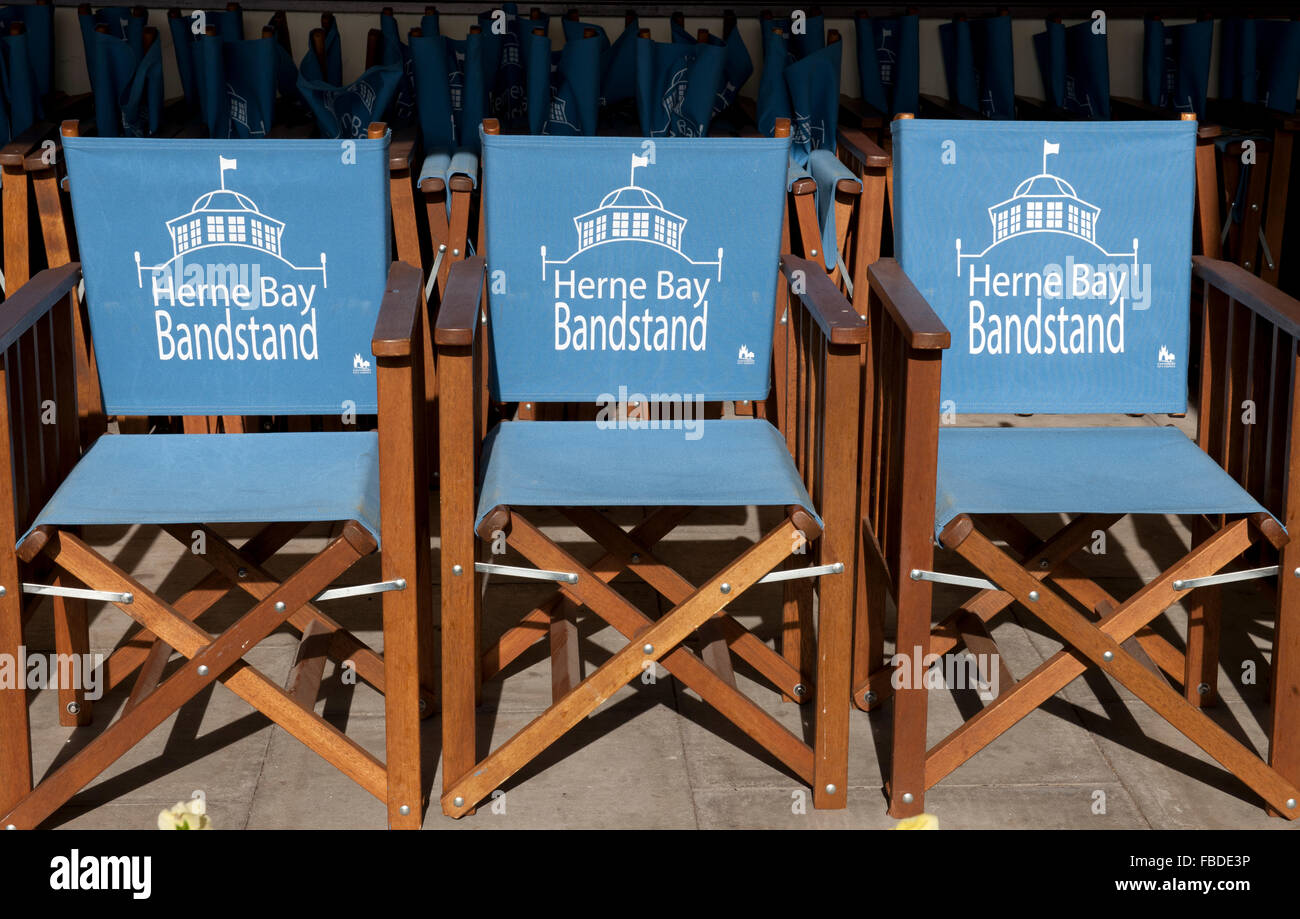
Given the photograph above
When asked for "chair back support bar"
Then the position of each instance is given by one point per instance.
(40, 391)
(653, 268)
(1068, 291)
(228, 286)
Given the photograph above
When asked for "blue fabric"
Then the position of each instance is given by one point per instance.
(243, 278)
(127, 84)
(236, 82)
(20, 103)
(828, 172)
(804, 87)
(1176, 65)
(738, 66)
(443, 165)
(677, 85)
(393, 52)
(38, 26)
(1075, 67)
(563, 88)
(693, 312)
(1260, 62)
(794, 171)
(221, 478)
(187, 31)
(889, 75)
(979, 65)
(975, 204)
(1146, 470)
(348, 111)
(429, 69)
(722, 463)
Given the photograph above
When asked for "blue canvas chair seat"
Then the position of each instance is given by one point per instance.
(222, 478)
(244, 276)
(977, 316)
(735, 462)
(630, 266)
(1147, 470)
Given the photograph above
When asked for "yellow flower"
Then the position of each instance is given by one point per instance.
(919, 822)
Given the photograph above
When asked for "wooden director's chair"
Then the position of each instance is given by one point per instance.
(201, 211)
(1091, 195)
(703, 209)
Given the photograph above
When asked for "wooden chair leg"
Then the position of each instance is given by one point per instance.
(402, 708)
(71, 639)
(1201, 661)
(1284, 738)
(566, 663)
(16, 750)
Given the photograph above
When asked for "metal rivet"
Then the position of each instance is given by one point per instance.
(812, 251)
(915, 574)
(870, 697)
(725, 588)
(1246, 266)
(456, 570)
(1254, 207)
(242, 572)
(1290, 805)
(74, 708)
(1177, 585)
(128, 598)
(458, 802)
(279, 606)
(455, 252)
(907, 797)
(636, 557)
(1296, 572)
(1033, 596)
(830, 788)
(3, 591)
(424, 705)
(648, 648)
(799, 689)
(1045, 564)
(1203, 688)
(1108, 656)
(203, 669)
(12, 827)
(404, 810)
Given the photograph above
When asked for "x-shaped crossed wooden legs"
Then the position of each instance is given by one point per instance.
(209, 659)
(649, 641)
(1099, 644)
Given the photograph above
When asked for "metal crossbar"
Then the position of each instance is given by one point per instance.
(537, 574)
(960, 580)
(1226, 578)
(357, 590)
(81, 593)
(812, 571)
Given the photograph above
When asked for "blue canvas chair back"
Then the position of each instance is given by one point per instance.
(1058, 255)
(452, 83)
(1176, 64)
(38, 27)
(563, 87)
(738, 66)
(21, 102)
(236, 84)
(232, 277)
(646, 265)
(1074, 63)
(127, 82)
(802, 87)
(677, 85)
(979, 64)
(1260, 62)
(393, 51)
(889, 70)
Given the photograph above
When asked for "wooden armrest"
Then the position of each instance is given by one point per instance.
(840, 323)
(401, 149)
(458, 316)
(920, 326)
(399, 311)
(24, 306)
(16, 151)
(1250, 291)
(863, 149)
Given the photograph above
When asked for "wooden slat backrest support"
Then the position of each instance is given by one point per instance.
(1248, 423)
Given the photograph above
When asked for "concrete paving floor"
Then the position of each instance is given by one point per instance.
(655, 755)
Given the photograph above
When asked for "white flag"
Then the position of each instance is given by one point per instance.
(227, 163)
(639, 161)
(1049, 149)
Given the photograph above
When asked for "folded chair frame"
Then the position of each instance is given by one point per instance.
(830, 332)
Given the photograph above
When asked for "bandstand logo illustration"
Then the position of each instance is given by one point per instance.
(631, 215)
(1045, 203)
(223, 218)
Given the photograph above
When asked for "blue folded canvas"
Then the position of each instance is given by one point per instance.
(677, 86)
(127, 86)
(393, 51)
(979, 65)
(1176, 65)
(889, 63)
(20, 102)
(563, 87)
(1260, 62)
(38, 26)
(1074, 64)
(236, 84)
(739, 66)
